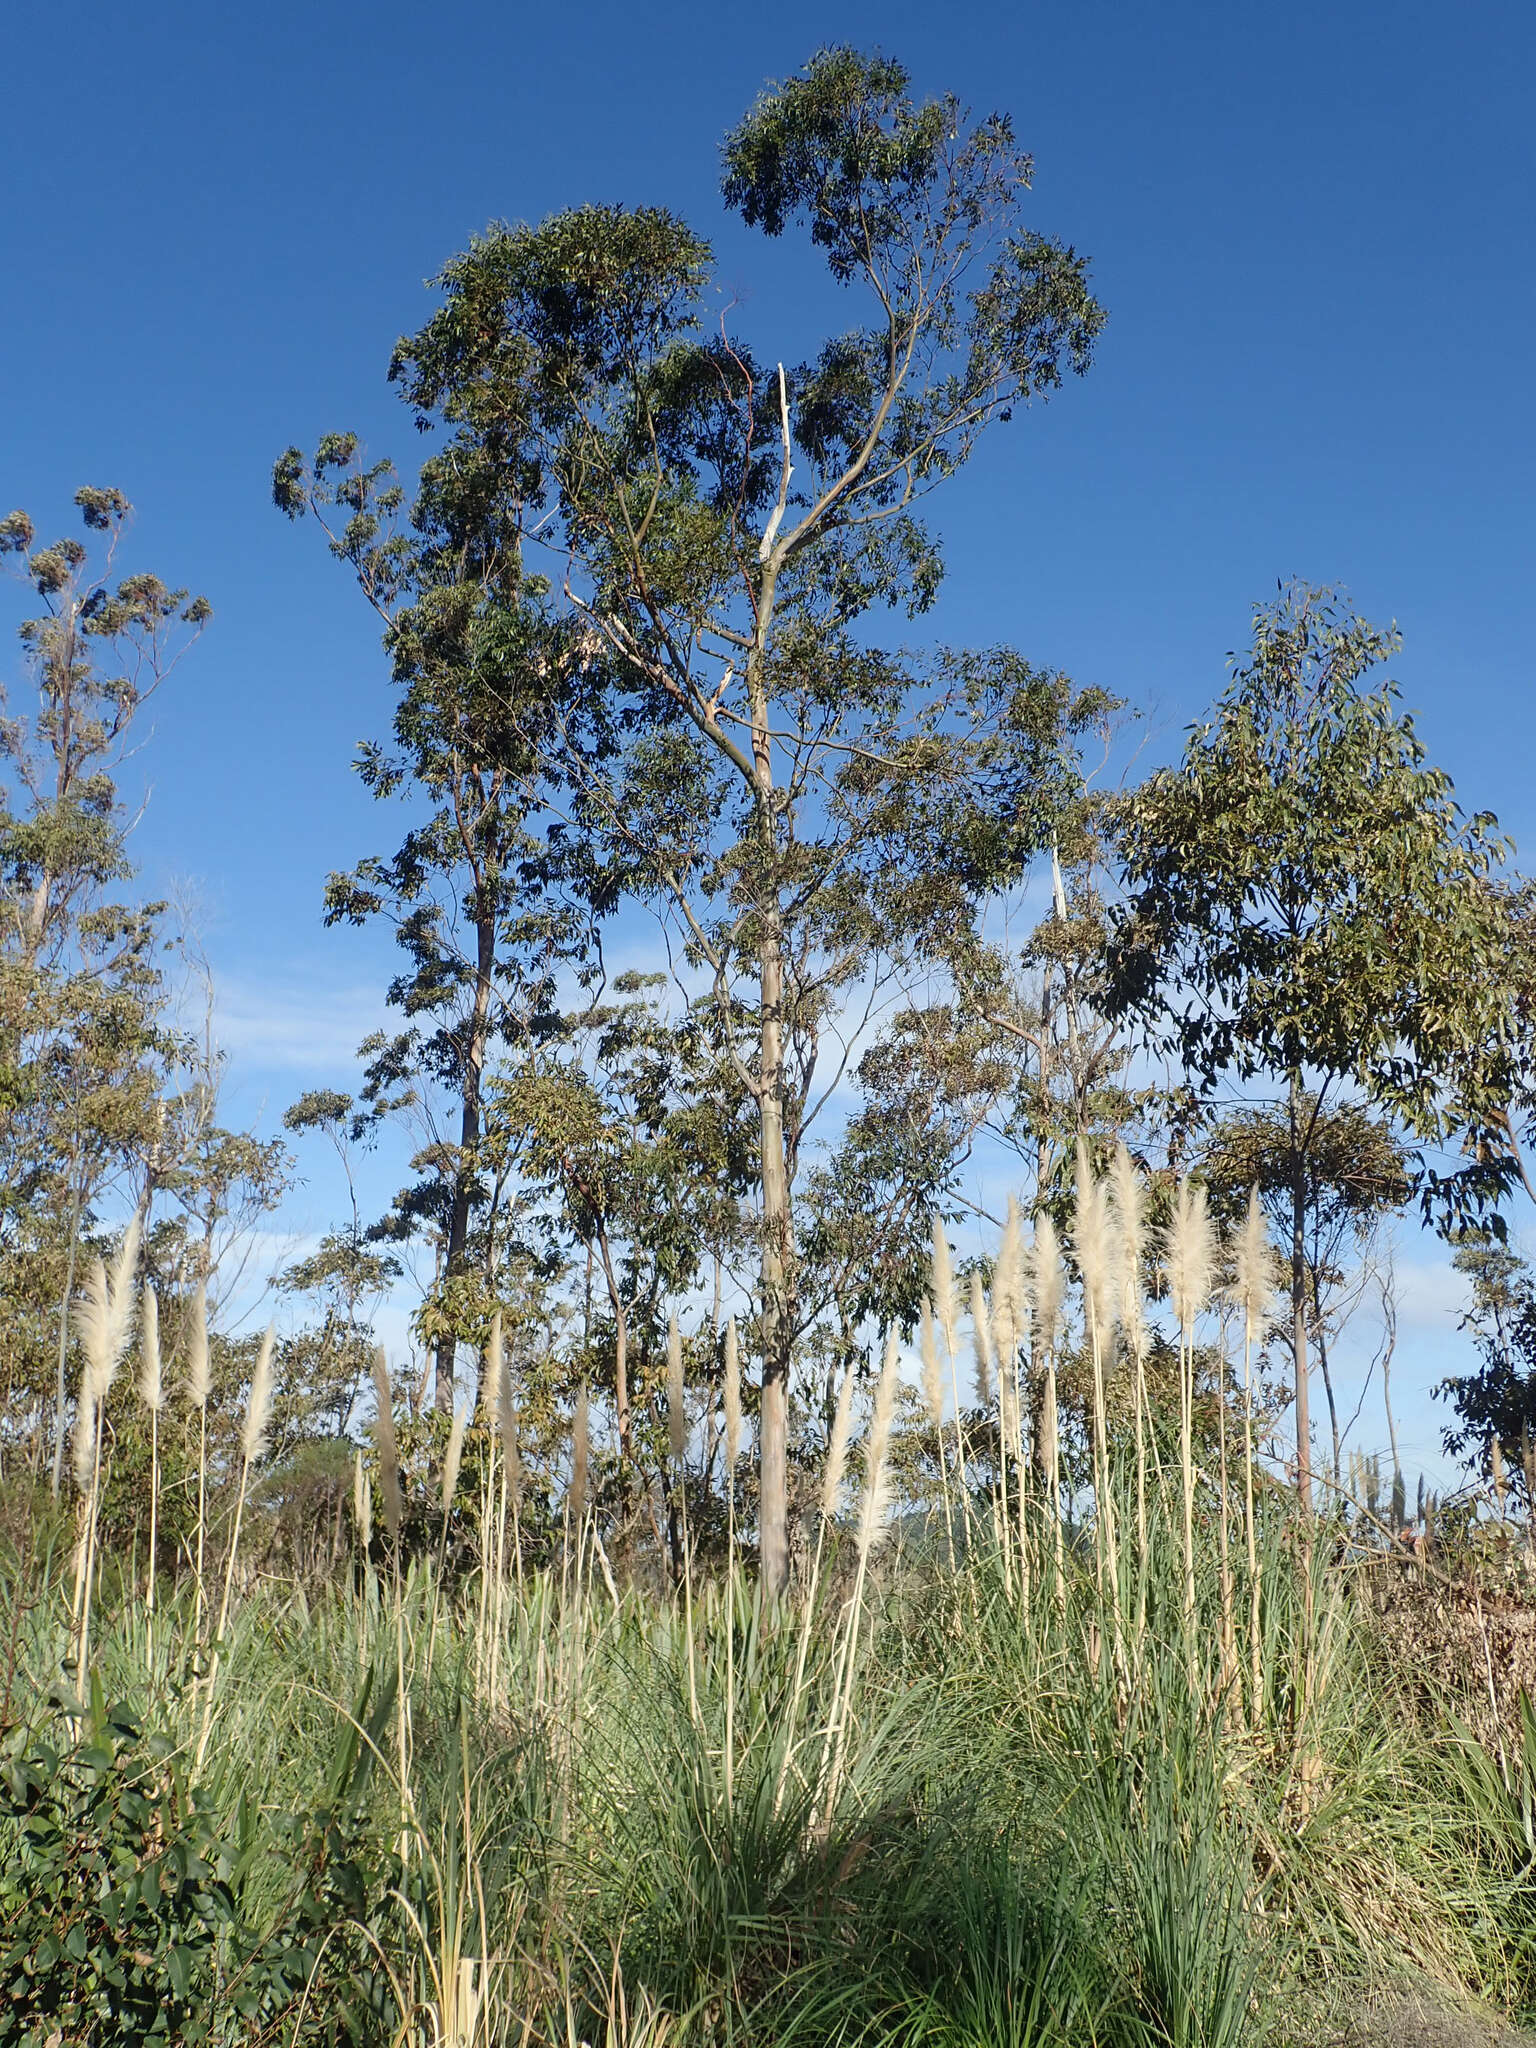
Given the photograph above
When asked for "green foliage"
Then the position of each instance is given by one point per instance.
(115, 1894)
(1307, 900)
(1496, 1403)
(126, 1903)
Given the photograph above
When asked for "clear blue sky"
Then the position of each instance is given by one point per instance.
(1311, 226)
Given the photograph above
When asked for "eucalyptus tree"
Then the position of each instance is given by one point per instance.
(85, 1043)
(1306, 903)
(807, 809)
(471, 892)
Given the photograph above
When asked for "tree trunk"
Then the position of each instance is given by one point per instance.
(477, 1035)
(1333, 1406)
(773, 1420)
(1299, 1306)
(773, 1427)
(620, 1345)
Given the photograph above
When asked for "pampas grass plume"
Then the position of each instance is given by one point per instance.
(1008, 1288)
(362, 1502)
(199, 1364)
(1130, 1232)
(981, 1338)
(928, 1355)
(1255, 1265)
(944, 1286)
(1190, 1253)
(1095, 1246)
(151, 1378)
(495, 1371)
(258, 1409)
(92, 1328)
(455, 1456)
(384, 1431)
(877, 1477)
(837, 1448)
(120, 1299)
(732, 1395)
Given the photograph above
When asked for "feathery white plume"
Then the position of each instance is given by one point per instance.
(732, 1394)
(455, 1457)
(120, 1299)
(1008, 1289)
(1255, 1274)
(199, 1363)
(151, 1378)
(837, 1448)
(1190, 1253)
(928, 1356)
(981, 1339)
(1130, 1233)
(877, 1478)
(495, 1371)
(1095, 1247)
(93, 1326)
(944, 1286)
(258, 1409)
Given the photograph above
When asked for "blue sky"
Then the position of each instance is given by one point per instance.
(1311, 227)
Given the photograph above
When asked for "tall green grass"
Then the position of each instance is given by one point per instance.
(942, 1814)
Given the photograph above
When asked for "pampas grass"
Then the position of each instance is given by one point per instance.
(152, 1394)
(1049, 1285)
(942, 1283)
(874, 1504)
(494, 1374)
(92, 1315)
(452, 1461)
(1255, 1284)
(103, 1320)
(1129, 1227)
(981, 1340)
(874, 1500)
(1188, 1258)
(253, 1443)
(837, 1450)
(199, 1384)
(928, 1360)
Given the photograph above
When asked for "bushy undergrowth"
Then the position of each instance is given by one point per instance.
(976, 1810)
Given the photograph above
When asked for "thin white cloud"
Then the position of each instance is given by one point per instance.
(304, 1028)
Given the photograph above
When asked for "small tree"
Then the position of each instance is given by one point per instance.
(1354, 1173)
(1306, 902)
(1497, 1402)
